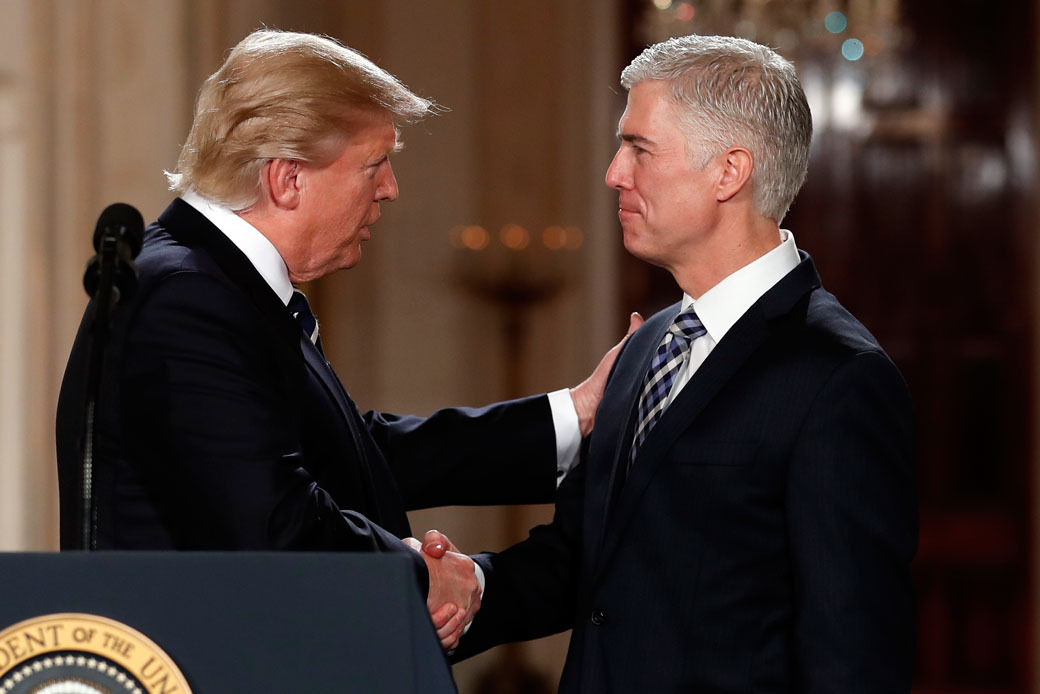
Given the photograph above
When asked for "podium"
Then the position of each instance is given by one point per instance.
(229, 622)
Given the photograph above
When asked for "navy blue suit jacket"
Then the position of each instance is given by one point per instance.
(222, 427)
(762, 540)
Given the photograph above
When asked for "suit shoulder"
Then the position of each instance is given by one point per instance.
(822, 337)
(830, 325)
(163, 255)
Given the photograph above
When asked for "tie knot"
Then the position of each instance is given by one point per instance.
(301, 311)
(687, 326)
(298, 304)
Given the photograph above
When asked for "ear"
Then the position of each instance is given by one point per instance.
(281, 178)
(737, 165)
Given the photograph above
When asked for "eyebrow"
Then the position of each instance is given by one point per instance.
(634, 139)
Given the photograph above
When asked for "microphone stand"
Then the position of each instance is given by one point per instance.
(110, 276)
(105, 298)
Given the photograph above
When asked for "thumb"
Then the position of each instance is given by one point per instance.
(435, 543)
(634, 321)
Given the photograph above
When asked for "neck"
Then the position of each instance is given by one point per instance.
(268, 225)
(727, 250)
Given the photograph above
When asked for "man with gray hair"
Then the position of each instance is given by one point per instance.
(744, 514)
(221, 424)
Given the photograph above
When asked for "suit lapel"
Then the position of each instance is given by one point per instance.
(189, 227)
(608, 451)
(321, 370)
(742, 340)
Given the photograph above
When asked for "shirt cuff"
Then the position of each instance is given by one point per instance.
(482, 581)
(568, 432)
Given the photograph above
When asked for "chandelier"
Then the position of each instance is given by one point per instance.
(851, 29)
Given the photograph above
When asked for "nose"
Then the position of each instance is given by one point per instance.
(387, 189)
(617, 173)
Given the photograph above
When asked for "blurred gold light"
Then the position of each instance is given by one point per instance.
(662, 4)
(455, 236)
(554, 237)
(475, 237)
(574, 238)
(515, 237)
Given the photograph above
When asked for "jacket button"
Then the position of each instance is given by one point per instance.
(598, 617)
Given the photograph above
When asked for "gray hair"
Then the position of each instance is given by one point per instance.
(729, 92)
(282, 95)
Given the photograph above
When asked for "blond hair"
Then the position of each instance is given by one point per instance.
(282, 95)
(731, 91)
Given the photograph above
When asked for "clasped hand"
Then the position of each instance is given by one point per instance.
(454, 596)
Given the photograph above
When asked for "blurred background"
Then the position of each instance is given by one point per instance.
(500, 270)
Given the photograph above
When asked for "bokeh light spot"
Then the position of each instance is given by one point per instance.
(786, 40)
(475, 237)
(852, 49)
(515, 237)
(574, 238)
(684, 12)
(662, 4)
(746, 29)
(554, 237)
(836, 22)
(455, 236)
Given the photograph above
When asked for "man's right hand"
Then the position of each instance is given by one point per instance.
(587, 395)
(454, 595)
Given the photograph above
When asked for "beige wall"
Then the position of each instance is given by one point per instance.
(92, 110)
(96, 95)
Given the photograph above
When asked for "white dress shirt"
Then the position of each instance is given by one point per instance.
(721, 307)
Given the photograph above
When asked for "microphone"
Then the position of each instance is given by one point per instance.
(117, 239)
(125, 223)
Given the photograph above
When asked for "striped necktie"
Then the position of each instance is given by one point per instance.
(301, 311)
(666, 364)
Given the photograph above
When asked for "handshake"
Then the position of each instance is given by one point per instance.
(454, 595)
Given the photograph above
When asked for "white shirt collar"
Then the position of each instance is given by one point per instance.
(723, 305)
(248, 239)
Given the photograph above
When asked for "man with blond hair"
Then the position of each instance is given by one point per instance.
(222, 426)
(744, 517)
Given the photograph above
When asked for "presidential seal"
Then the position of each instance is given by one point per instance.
(83, 654)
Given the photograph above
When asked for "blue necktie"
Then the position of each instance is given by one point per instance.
(301, 311)
(666, 364)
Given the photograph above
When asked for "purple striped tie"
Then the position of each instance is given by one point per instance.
(670, 357)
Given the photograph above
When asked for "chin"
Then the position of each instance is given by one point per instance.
(640, 251)
(633, 244)
(352, 259)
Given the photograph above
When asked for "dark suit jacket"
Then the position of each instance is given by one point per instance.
(222, 427)
(761, 542)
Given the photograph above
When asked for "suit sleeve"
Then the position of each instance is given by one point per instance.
(853, 531)
(500, 454)
(532, 587)
(205, 409)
